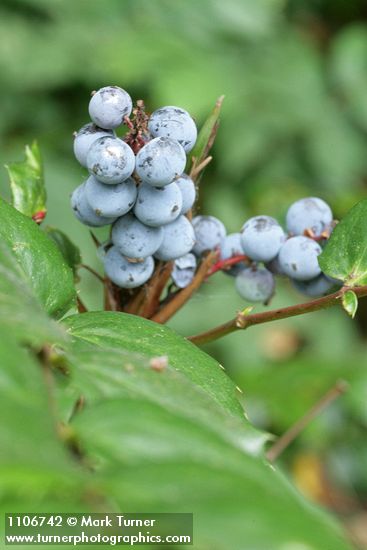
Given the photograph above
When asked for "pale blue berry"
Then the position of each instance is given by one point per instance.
(255, 284)
(261, 238)
(175, 123)
(111, 200)
(157, 206)
(298, 258)
(83, 211)
(160, 161)
(134, 239)
(188, 192)
(124, 273)
(311, 213)
(84, 138)
(209, 233)
(183, 270)
(110, 160)
(109, 106)
(178, 240)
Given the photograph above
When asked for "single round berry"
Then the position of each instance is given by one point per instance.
(255, 285)
(184, 270)
(188, 192)
(127, 274)
(310, 213)
(261, 238)
(229, 248)
(134, 239)
(160, 161)
(178, 240)
(175, 123)
(157, 206)
(298, 258)
(110, 160)
(109, 106)
(85, 137)
(209, 233)
(83, 210)
(320, 286)
(111, 200)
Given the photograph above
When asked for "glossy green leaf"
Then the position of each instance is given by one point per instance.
(345, 255)
(27, 183)
(46, 271)
(206, 135)
(21, 313)
(152, 458)
(133, 334)
(350, 303)
(102, 373)
(70, 252)
(37, 471)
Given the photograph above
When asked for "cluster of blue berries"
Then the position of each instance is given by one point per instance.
(140, 189)
(267, 250)
(143, 193)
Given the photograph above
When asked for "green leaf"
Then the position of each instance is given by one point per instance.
(37, 472)
(345, 255)
(350, 303)
(119, 331)
(21, 313)
(152, 458)
(206, 135)
(70, 252)
(43, 266)
(130, 375)
(163, 440)
(27, 184)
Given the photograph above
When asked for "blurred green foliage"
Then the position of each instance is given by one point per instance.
(294, 123)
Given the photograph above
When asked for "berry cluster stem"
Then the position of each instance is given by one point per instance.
(179, 299)
(243, 321)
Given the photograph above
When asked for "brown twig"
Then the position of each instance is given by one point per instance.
(81, 307)
(112, 299)
(93, 272)
(94, 239)
(290, 435)
(155, 288)
(195, 170)
(243, 321)
(181, 297)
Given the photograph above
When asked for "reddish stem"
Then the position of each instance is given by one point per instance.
(225, 264)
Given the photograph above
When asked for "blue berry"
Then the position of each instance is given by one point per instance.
(160, 161)
(229, 247)
(310, 213)
(109, 106)
(110, 160)
(255, 284)
(111, 200)
(178, 240)
(261, 238)
(184, 270)
(188, 192)
(320, 286)
(175, 123)
(209, 233)
(85, 137)
(134, 239)
(127, 274)
(83, 210)
(298, 258)
(157, 206)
